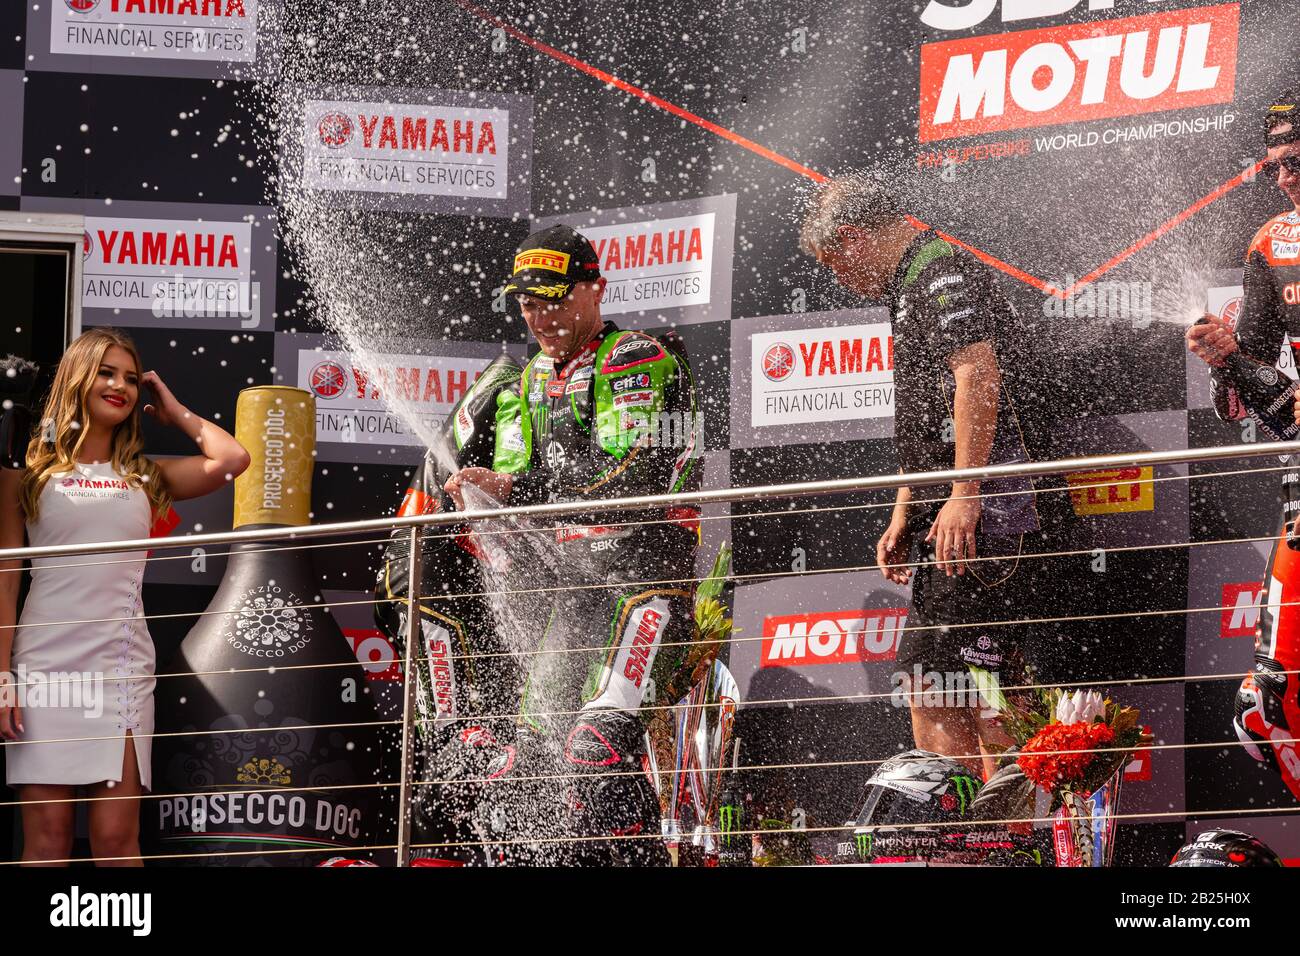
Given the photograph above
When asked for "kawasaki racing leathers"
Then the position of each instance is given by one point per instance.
(1249, 386)
(619, 418)
(463, 669)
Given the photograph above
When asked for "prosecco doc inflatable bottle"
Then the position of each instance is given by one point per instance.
(267, 754)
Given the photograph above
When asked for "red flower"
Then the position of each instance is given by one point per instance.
(1045, 765)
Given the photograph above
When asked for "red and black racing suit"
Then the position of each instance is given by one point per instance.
(1249, 385)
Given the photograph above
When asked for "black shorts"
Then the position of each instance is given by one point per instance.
(969, 620)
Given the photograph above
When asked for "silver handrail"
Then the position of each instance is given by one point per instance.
(648, 502)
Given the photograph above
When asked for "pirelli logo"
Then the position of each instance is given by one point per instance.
(1113, 491)
(547, 259)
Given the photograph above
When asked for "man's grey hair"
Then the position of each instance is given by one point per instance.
(858, 198)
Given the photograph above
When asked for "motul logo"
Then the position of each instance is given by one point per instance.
(844, 357)
(646, 633)
(1075, 73)
(1241, 607)
(182, 8)
(653, 249)
(832, 637)
(411, 134)
(144, 248)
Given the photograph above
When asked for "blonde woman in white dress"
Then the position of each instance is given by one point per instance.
(86, 480)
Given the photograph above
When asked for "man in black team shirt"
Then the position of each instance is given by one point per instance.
(959, 403)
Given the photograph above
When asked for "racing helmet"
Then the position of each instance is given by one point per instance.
(1225, 848)
(908, 801)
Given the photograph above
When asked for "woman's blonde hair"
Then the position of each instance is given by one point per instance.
(64, 425)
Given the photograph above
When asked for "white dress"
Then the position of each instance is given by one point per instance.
(92, 503)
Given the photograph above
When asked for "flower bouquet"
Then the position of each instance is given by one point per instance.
(1074, 747)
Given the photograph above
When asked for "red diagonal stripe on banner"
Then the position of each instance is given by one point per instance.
(731, 136)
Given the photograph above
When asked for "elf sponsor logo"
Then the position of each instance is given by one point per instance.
(375, 653)
(165, 264)
(1241, 608)
(824, 374)
(637, 380)
(643, 642)
(832, 637)
(655, 264)
(1074, 73)
(196, 30)
(412, 149)
(1113, 491)
(358, 401)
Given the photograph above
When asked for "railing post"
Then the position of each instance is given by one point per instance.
(411, 679)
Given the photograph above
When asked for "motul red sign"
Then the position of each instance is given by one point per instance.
(1069, 74)
(832, 637)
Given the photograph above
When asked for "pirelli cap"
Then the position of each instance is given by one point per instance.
(549, 263)
(1285, 112)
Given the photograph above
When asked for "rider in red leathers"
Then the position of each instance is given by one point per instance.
(1246, 384)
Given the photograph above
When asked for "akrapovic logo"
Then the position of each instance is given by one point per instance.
(1071, 73)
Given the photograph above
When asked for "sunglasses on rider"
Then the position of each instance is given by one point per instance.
(1292, 164)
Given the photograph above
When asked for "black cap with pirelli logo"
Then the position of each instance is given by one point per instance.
(1282, 121)
(549, 263)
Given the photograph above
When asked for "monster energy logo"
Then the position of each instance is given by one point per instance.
(863, 842)
(730, 817)
(967, 787)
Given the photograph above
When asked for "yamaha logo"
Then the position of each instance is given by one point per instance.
(328, 380)
(81, 6)
(778, 362)
(87, 245)
(335, 130)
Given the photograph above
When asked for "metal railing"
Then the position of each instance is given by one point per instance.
(416, 525)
